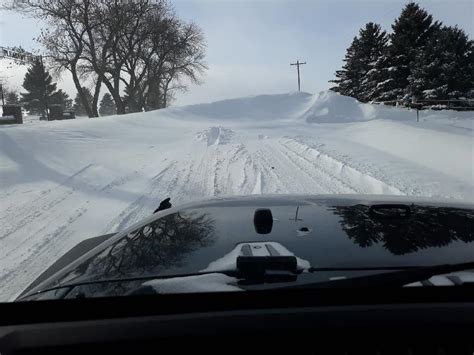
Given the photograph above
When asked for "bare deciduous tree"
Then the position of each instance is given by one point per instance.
(139, 48)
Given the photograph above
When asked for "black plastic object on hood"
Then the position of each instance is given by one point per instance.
(257, 258)
(164, 205)
(263, 221)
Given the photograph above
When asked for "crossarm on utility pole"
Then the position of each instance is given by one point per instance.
(298, 63)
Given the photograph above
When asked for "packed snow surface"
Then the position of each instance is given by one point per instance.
(64, 181)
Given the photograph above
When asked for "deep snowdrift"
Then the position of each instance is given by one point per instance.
(64, 181)
(261, 107)
(330, 107)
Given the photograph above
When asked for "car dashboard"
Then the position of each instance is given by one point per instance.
(418, 320)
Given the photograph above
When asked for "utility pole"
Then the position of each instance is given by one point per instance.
(298, 63)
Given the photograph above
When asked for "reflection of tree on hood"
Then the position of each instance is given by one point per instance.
(150, 250)
(426, 227)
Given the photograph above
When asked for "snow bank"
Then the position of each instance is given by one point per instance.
(261, 107)
(324, 107)
(331, 107)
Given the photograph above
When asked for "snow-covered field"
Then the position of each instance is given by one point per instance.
(64, 181)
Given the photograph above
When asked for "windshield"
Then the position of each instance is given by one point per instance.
(144, 142)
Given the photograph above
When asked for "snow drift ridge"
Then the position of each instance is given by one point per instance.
(260, 107)
(325, 107)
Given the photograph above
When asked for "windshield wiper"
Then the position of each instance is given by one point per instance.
(132, 279)
(386, 279)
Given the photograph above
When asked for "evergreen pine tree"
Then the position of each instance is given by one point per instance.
(411, 32)
(445, 68)
(347, 78)
(61, 98)
(378, 84)
(107, 106)
(133, 103)
(360, 59)
(373, 46)
(11, 98)
(39, 88)
(79, 108)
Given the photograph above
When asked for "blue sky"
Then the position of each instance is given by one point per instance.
(251, 43)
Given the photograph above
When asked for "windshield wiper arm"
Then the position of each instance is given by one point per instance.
(87, 282)
(386, 279)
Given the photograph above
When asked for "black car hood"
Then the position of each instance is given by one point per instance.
(326, 231)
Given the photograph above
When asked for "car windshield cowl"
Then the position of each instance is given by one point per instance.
(231, 280)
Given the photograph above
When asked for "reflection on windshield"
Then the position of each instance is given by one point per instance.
(427, 227)
(155, 247)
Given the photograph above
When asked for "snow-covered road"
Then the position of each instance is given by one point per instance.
(62, 182)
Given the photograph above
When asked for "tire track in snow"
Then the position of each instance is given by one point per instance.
(42, 207)
(345, 175)
(232, 171)
(287, 166)
(118, 181)
(31, 210)
(404, 177)
(282, 174)
(250, 177)
(323, 181)
(34, 255)
(163, 183)
(203, 174)
(267, 180)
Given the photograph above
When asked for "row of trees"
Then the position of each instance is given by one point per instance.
(39, 91)
(107, 105)
(138, 50)
(420, 59)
